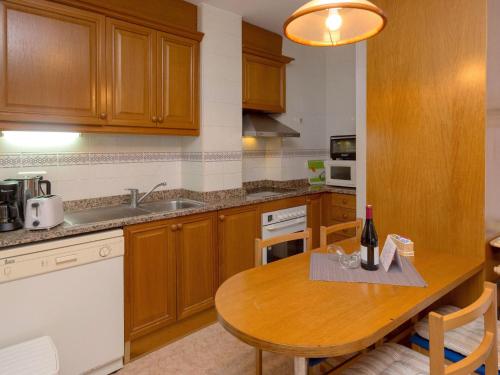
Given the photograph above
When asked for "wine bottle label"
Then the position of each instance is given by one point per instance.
(364, 255)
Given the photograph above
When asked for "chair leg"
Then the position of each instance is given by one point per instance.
(300, 366)
(258, 361)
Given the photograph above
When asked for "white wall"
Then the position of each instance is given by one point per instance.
(340, 91)
(220, 103)
(361, 129)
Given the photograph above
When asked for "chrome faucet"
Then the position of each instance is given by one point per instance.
(134, 193)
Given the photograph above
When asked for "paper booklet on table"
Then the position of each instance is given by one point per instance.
(390, 255)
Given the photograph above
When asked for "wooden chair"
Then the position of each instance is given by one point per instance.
(485, 353)
(325, 231)
(260, 243)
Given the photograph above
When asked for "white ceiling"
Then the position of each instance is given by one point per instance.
(269, 14)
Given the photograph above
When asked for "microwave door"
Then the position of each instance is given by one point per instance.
(341, 173)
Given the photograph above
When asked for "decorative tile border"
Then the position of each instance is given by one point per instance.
(287, 154)
(18, 160)
(38, 160)
(10, 161)
(222, 156)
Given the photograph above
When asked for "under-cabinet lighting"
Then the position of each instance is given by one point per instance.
(40, 139)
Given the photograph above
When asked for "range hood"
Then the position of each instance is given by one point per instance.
(257, 124)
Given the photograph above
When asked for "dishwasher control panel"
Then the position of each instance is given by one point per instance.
(26, 265)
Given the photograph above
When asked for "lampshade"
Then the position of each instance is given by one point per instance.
(326, 23)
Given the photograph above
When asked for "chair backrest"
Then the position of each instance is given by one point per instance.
(325, 231)
(306, 235)
(485, 353)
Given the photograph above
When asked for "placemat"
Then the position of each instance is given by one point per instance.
(323, 268)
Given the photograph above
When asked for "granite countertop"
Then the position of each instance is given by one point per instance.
(23, 236)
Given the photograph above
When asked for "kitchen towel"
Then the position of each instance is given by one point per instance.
(324, 267)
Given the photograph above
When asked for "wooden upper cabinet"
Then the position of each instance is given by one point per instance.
(263, 84)
(131, 75)
(52, 65)
(238, 228)
(178, 66)
(196, 264)
(150, 278)
(264, 70)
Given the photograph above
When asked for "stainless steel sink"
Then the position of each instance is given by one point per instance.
(102, 214)
(171, 205)
(94, 215)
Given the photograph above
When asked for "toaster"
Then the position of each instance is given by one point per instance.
(43, 212)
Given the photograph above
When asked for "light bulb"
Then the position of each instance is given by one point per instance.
(334, 20)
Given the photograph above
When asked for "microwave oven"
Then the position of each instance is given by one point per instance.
(343, 147)
(340, 173)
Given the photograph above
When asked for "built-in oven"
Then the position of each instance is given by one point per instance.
(281, 222)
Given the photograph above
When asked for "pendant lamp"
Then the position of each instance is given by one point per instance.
(327, 23)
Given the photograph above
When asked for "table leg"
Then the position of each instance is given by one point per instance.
(258, 361)
(300, 366)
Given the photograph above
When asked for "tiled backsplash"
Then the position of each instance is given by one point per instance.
(280, 165)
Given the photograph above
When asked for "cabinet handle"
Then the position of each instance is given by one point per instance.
(179, 226)
(154, 119)
(160, 119)
(103, 115)
(222, 217)
(344, 216)
(174, 228)
(344, 201)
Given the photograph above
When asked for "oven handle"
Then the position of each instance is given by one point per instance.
(286, 225)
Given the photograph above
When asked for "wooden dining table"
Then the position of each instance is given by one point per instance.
(277, 308)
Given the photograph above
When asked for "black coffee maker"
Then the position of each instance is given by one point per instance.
(10, 215)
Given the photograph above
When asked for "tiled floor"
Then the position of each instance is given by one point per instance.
(211, 351)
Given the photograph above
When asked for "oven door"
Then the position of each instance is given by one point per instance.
(341, 173)
(287, 249)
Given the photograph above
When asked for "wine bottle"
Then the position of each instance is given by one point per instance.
(369, 243)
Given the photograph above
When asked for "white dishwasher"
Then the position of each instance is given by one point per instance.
(71, 290)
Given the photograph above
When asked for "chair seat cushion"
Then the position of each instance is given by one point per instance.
(389, 359)
(463, 340)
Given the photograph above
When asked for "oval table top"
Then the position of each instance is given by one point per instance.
(277, 308)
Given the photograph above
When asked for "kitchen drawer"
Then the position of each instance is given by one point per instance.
(342, 214)
(346, 232)
(344, 200)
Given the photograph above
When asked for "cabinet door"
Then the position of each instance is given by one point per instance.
(52, 65)
(177, 82)
(238, 229)
(314, 217)
(196, 264)
(150, 279)
(131, 77)
(263, 84)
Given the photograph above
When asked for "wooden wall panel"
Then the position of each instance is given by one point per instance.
(426, 124)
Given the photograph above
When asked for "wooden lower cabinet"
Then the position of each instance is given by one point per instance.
(196, 264)
(237, 230)
(150, 278)
(340, 208)
(170, 273)
(314, 203)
